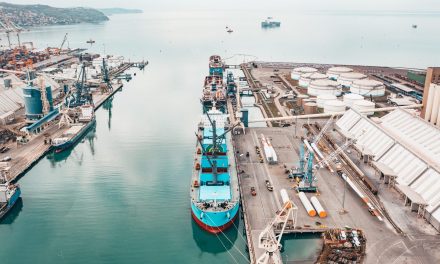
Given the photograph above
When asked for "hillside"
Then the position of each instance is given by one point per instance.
(40, 15)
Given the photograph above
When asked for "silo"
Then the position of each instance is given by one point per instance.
(310, 108)
(297, 72)
(352, 97)
(323, 86)
(367, 87)
(334, 72)
(363, 105)
(300, 98)
(323, 98)
(32, 102)
(334, 106)
(306, 78)
(346, 79)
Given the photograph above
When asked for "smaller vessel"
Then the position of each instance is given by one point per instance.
(269, 23)
(86, 120)
(414, 26)
(230, 30)
(9, 194)
(90, 41)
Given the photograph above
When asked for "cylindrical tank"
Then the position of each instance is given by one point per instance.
(367, 87)
(323, 98)
(310, 108)
(306, 78)
(334, 106)
(306, 203)
(323, 86)
(284, 196)
(300, 98)
(352, 97)
(364, 105)
(8, 83)
(318, 207)
(305, 101)
(346, 79)
(32, 102)
(297, 72)
(334, 72)
(49, 97)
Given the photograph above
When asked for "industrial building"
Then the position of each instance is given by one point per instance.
(368, 87)
(405, 151)
(297, 72)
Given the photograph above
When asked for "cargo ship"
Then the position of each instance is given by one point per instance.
(214, 90)
(9, 194)
(76, 131)
(214, 185)
(269, 23)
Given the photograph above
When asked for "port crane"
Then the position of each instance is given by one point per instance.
(63, 42)
(268, 240)
(9, 27)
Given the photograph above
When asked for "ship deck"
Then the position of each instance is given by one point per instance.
(225, 192)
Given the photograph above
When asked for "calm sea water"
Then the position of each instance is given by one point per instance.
(121, 196)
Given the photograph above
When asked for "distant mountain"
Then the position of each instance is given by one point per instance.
(117, 10)
(40, 15)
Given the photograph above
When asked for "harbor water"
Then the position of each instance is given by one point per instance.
(122, 194)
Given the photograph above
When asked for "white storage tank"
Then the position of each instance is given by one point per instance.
(351, 97)
(363, 105)
(306, 78)
(323, 86)
(367, 87)
(334, 72)
(323, 98)
(334, 106)
(346, 79)
(297, 72)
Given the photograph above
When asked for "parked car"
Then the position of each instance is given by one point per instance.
(269, 185)
(253, 192)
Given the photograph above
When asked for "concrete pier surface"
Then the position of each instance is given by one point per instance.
(384, 243)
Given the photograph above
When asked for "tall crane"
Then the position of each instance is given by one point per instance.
(9, 27)
(64, 41)
(268, 240)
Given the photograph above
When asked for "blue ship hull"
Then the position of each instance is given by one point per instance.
(214, 222)
(68, 144)
(11, 203)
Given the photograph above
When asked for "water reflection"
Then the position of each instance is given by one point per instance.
(13, 213)
(108, 105)
(208, 242)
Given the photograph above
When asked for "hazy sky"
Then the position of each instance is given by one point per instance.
(303, 5)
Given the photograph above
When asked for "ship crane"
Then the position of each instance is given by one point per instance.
(64, 41)
(268, 240)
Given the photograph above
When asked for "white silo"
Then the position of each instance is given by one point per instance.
(334, 72)
(351, 97)
(364, 105)
(334, 106)
(306, 78)
(323, 98)
(367, 87)
(323, 86)
(297, 72)
(346, 79)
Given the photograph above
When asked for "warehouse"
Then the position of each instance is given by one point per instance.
(405, 148)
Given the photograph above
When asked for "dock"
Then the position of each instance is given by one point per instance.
(24, 156)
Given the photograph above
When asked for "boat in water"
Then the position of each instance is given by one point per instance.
(77, 130)
(215, 196)
(9, 194)
(269, 23)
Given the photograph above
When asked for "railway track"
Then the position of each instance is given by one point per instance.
(354, 176)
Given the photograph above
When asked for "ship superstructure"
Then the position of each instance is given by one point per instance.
(214, 90)
(9, 194)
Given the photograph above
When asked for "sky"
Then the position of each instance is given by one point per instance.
(301, 5)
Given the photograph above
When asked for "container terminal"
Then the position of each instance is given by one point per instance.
(346, 151)
(47, 101)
